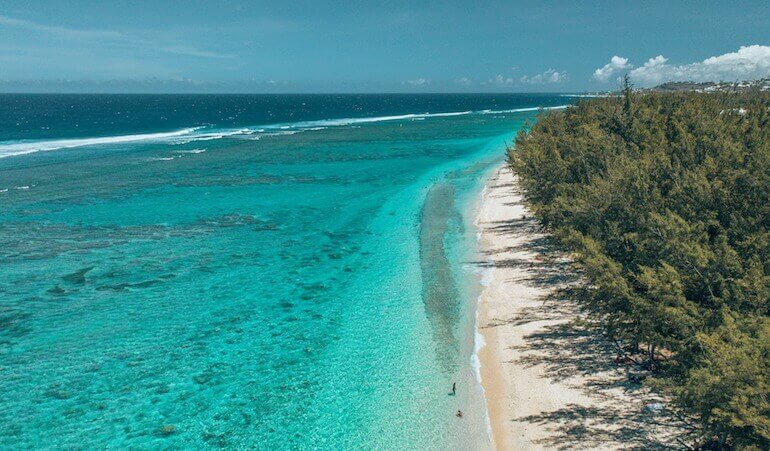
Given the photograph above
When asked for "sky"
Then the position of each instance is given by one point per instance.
(377, 46)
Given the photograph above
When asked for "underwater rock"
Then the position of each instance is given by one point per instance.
(163, 388)
(58, 393)
(218, 440)
(78, 277)
(145, 284)
(57, 291)
(266, 227)
(233, 220)
(168, 429)
(202, 378)
(125, 285)
(316, 287)
(116, 287)
(73, 413)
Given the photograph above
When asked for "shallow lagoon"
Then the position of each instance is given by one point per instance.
(268, 289)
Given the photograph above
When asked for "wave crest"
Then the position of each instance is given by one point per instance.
(25, 147)
(192, 134)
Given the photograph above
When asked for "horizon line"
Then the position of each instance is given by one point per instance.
(300, 93)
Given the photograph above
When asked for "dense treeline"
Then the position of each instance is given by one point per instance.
(664, 200)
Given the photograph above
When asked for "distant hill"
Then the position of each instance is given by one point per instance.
(678, 86)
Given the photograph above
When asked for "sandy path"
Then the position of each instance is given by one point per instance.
(549, 384)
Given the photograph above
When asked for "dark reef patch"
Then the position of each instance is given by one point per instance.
(439, 288)
(78, 277)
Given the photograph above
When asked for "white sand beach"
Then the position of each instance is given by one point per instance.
(549, 384)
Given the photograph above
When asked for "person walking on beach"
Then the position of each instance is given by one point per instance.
(454, 388)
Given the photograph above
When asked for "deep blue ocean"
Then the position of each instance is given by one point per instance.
(266, 271)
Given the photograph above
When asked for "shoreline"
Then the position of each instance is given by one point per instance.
(479, 340)
(547, 383)
(486, 350)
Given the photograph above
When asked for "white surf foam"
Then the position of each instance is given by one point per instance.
(209, 136)
(523, 110)
(478, 344)
(478, 338)
(193, 134)
(191, 151)
(589, 96)
(308, 125)
(8, 149)
(21, 188)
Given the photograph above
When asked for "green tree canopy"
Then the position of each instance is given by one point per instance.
(664, 201)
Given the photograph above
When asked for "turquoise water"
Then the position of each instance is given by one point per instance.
(306, 286)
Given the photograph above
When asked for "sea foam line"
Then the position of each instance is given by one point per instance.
(478, 339)
(25, 147)
(522, 110)
(192, 134)
(295, 127)
(191, 151)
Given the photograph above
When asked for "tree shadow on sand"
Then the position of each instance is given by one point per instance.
(575, 350)
(580, 427)
(571, 352)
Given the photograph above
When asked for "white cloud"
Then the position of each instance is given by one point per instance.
(501, 80)
(192, 51)
(749, 62)
(464, 81)
(549, 76)
(616, 64)
(417, 82)
(108, 37)
(58, 31)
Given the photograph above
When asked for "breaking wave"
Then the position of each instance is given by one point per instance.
(193, 134)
